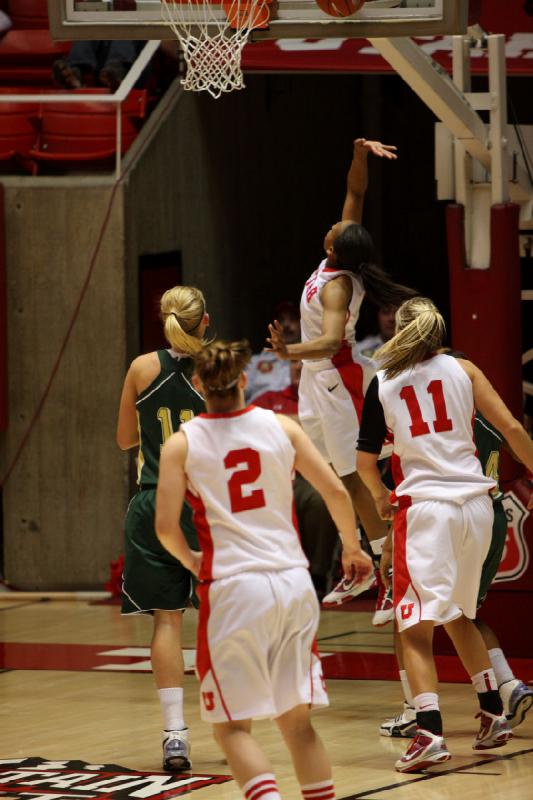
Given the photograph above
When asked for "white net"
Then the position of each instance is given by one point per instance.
(212, 38)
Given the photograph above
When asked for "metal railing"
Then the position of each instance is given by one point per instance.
(117, 98)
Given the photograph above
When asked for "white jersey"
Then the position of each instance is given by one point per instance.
(239, 469)
(312, 311)
(430, 410)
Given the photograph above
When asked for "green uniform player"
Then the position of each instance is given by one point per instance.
(156, 398)
(153, 579)
(488, 443)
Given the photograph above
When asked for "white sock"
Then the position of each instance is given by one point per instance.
(426, 701)
(319, 791)
(501, 668)
(262, 786)
(377, 546)
(172, 707)
(484, 681)
(407, 693)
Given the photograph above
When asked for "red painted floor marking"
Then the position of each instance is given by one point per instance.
(337, 666)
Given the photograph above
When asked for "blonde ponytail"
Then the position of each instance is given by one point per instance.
(182, 311)
(420, 330)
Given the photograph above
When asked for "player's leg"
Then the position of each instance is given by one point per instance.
(248, 764)
(471, 548)
(309, 757)
(168, 670)
(404, 724)
(428, 746)
(517, 697)
(153, 579)
(365, 509)
(471, 649)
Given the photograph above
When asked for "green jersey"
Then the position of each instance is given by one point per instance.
(161, 408)
(488, 442)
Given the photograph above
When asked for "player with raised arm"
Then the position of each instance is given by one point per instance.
(259, 614)
(443, 527)
(157, 397)
(331, 386)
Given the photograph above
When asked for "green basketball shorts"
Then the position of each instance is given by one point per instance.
(494, 556)
(153, 579)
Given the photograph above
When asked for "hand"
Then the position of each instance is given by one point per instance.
(385, 508)
(356, 562)
(277, 341)
(385, 566)
(366, 146)
(194, 563)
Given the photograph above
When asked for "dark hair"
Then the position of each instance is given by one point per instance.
(354, 251)
(219, 365)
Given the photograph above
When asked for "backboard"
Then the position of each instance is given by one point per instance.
(300, 19)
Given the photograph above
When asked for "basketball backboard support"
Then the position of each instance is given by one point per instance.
(300, 19)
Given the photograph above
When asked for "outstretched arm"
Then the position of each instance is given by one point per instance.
(335, 299)
(489, 402)
(357, 180)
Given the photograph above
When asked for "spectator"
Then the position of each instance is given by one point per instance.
(96, 63)
(385, 319)
(5, 23)
(266, 372)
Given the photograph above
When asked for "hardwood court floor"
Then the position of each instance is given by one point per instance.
(88, 706)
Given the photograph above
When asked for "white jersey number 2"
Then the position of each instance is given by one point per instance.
(250, 460)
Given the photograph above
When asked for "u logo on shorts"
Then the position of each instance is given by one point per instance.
(406, 610)
(209, 701)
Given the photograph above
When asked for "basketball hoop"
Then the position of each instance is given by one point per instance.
(212, 37)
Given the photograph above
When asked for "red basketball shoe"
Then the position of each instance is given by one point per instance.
(426, 750)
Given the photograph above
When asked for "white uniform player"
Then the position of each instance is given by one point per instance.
(258, 611)
(331, 390)
(444, 526)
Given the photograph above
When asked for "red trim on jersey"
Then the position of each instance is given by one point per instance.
(334, 269)
(351, 375)
(314, 652)
(227, 414)
(204, 535)
(203, 655)
(404, 501)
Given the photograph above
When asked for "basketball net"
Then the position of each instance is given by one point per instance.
(212, 37)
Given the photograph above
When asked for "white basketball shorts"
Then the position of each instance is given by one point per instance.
(439, 550)
(330, 404)
(257, 655)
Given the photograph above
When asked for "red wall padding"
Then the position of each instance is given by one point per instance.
(3, 316)
(486, 303)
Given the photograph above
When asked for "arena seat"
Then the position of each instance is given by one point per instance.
(18, 134)
(26, 57)
(28, 13)
(76, 134)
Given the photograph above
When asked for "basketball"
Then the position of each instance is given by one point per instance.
(340, 8)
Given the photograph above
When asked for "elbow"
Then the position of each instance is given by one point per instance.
(511, 429)
(122, 443)
(332, 346)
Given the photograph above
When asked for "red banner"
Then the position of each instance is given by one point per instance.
(356, 55)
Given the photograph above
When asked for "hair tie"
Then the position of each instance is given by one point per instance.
(223, 388)
(173, 314)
